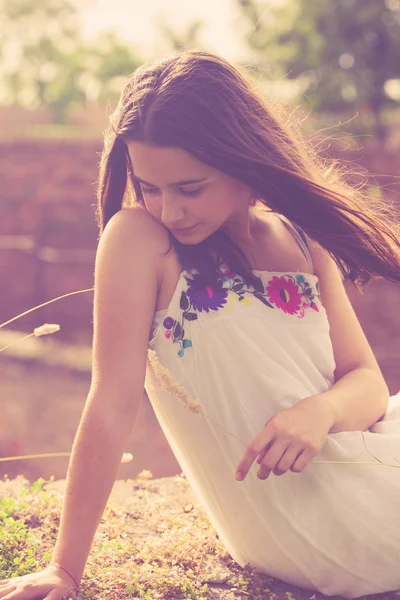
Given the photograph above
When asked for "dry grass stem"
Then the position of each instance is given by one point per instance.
(21, 339)
(44, 304)
(126, 457)
(193, 406)
(170, 384)
(45, 329)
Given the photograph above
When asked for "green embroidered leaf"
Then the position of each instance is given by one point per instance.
(238, 286)
(190, 316)
(259, 286)
(184, 302)
(177, 330)
(264, 300)
(307, 289)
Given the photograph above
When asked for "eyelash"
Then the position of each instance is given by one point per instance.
(185, 193)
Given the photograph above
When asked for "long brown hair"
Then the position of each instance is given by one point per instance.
(201, 103)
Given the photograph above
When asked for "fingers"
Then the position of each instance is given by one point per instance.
(302, 460)
(294, 459)
(13, 580)
(7, 593)
(277, 455)
(287, 460)
(273, 456)
(263, 440)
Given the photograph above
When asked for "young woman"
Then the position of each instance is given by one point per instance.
(219, 287)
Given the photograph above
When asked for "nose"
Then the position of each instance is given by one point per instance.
(173, 214)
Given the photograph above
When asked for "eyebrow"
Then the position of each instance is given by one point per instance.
(182, 182)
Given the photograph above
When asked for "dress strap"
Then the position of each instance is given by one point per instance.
(301, 239)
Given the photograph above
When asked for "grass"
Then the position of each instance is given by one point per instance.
(154, 543)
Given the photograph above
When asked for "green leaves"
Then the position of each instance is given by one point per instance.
(340, 54)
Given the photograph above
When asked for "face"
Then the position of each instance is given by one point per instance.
(179, 191)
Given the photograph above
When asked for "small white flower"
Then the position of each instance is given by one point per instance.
(46, 329)
(126, 457)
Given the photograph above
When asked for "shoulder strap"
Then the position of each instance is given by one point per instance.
(301, 239)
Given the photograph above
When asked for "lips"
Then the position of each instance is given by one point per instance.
(184, 229)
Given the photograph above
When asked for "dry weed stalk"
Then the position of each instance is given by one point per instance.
(169, 383)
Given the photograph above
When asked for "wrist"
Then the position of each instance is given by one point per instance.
(59, 567)
(323, 404)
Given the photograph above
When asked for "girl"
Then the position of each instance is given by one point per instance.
(219, 287)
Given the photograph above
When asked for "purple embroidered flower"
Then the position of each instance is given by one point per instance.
(168, 323)
(203, 297)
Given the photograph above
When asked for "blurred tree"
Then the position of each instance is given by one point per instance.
(44, 61)
(182, 42)
(107, 64)
(40, 54)
(344, 54)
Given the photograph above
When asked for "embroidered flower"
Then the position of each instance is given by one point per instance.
(300, 278)
(284, 293)
(308, 293)
(197, 297)
(291, 294)
(168, 323)
(203, 297)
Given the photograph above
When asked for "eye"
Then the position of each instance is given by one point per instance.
(149, 191)
(191, 192)
(184, 192)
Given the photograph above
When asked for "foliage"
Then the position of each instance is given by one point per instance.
(343, 54)
(51, 65)
(178, 42)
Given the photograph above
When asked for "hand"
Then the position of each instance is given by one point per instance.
(49, 584)
(289, 439)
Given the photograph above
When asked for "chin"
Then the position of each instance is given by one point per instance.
(188, 242)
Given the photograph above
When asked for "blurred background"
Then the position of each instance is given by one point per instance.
(62, 67)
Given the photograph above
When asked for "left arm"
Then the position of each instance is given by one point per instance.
(359, 396)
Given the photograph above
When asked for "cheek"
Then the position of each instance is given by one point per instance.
(218, 200)
(153, 206)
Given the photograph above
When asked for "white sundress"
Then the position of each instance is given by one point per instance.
(243, 355)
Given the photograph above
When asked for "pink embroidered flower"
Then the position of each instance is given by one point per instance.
(284, 293)
(229, 274)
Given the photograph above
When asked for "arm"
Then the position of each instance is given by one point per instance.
(127, 275)
(359, 396)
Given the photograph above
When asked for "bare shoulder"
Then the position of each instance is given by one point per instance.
(134, 228)
(325, 267)
(138, 217)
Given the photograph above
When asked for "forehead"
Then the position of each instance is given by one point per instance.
(149, 160)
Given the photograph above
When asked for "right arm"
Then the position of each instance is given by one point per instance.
(127, 276)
